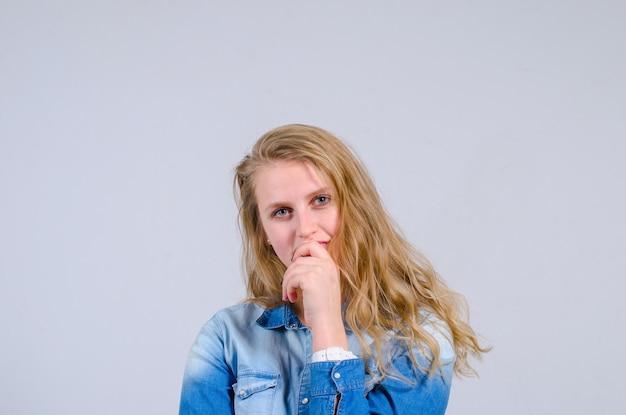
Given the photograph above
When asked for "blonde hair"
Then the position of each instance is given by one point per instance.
(385, 280)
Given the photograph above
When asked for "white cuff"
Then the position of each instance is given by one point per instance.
(332, 354)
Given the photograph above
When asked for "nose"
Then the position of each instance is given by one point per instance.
(305, 224)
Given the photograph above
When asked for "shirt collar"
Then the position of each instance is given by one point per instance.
(281, 316)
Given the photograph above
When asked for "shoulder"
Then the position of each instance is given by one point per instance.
(440, 331)
(237, 316)
(224, 326)
(243, 310)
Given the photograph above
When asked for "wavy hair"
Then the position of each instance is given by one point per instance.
(384, 279)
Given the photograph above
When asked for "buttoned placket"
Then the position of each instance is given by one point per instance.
(305, 378)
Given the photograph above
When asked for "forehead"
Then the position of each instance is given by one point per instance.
(287, 179)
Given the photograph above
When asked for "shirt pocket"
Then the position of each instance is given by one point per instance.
(254, 392)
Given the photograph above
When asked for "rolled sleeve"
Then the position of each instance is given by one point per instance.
(340, 383)
(330, 378)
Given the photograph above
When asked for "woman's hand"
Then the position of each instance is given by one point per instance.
(312, 282)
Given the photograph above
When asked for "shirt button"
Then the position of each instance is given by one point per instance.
(292, 325)
(305, 401)
(337, 375)
(242, 393)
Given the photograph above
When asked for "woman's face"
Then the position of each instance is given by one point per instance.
(296, 206)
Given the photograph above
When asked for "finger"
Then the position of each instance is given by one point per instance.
(313, 249)
(290, 290)
(289, 285)
(298, 274)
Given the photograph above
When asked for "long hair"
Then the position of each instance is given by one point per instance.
(384, 279)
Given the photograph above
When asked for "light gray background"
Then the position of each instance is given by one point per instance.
(495, 131)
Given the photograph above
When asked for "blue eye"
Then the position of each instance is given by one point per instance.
(279, 213)
(321, 200)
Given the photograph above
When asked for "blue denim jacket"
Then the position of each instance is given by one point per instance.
(248, 360)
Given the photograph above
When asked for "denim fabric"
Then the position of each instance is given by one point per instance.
(248, 360)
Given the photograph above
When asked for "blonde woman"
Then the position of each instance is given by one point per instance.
(343, 315)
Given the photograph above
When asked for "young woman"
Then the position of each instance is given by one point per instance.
(343, 315)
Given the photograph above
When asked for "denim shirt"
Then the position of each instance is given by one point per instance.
(248, 360)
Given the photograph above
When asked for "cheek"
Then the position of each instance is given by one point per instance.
(334, 222)
(275, 233)
(279, 239)
(283, 252)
